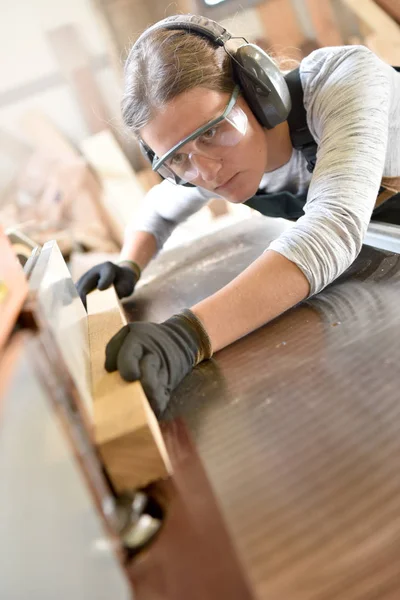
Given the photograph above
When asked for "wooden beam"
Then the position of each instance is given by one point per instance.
(112, 41)
(392, 7)
(347, 22)
(381, 33)
(375, 18)
(126, 430)
(282, 29)
(74, 62)
(122, 192)
(324, 22)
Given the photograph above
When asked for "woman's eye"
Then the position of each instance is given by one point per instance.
(209, 134)
(178, 159)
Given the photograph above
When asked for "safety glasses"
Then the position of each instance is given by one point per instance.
(209, 140)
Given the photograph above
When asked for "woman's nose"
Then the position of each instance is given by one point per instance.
(207, 167)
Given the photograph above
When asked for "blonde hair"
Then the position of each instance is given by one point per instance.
(166, 63)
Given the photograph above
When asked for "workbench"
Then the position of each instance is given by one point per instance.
(297, 425)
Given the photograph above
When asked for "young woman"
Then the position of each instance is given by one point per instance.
(217, 117)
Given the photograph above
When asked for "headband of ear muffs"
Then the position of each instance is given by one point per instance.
(262, 84)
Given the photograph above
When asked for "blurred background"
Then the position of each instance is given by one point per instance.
(68, 171)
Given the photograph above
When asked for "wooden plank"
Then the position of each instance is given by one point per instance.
(74, 62)
(13, 288)
(324, 22)
(392, 7)
(282, 28)
(122, 192)
(113, 42)
(76, 65)
(126, 430)
(375, 18)
(347, 22)
(381, 33)
(387, 50)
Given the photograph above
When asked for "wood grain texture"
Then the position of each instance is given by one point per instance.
(126, 430)
(302, 455)
(193, 557)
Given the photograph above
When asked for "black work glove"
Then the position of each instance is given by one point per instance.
(159, 355)
(124, 276)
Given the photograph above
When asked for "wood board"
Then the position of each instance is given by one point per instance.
(284, 42)
(327, 32)
(126, 430)
(392, 7)
(74, 61)
(381, 33)
(122, 191)
(375, 18)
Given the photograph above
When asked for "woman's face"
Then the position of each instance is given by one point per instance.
(236, 174)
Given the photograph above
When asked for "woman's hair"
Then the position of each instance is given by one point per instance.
(166, 63)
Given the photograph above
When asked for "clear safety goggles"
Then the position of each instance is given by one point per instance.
(210, 140)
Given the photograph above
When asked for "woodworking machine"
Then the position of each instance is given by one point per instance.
(274, 472)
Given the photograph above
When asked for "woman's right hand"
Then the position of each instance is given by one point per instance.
(123, 276)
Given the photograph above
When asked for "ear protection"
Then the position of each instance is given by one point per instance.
(262, 84)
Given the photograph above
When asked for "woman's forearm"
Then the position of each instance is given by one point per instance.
(268, 287)
(140, 247)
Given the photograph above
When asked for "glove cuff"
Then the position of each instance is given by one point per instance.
(205, 350)
(133, 266)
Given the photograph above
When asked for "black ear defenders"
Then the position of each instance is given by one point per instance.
(262, 84)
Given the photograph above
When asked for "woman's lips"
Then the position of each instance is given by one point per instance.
(226, 184)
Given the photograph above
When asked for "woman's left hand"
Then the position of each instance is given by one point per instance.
(158, 355)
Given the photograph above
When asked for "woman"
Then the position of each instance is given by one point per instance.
(207, 117)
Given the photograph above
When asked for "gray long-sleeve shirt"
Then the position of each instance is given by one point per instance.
(352, 100)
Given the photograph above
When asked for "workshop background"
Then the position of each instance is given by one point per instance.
(68, 170)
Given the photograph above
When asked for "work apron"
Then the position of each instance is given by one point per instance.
(291, 206)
